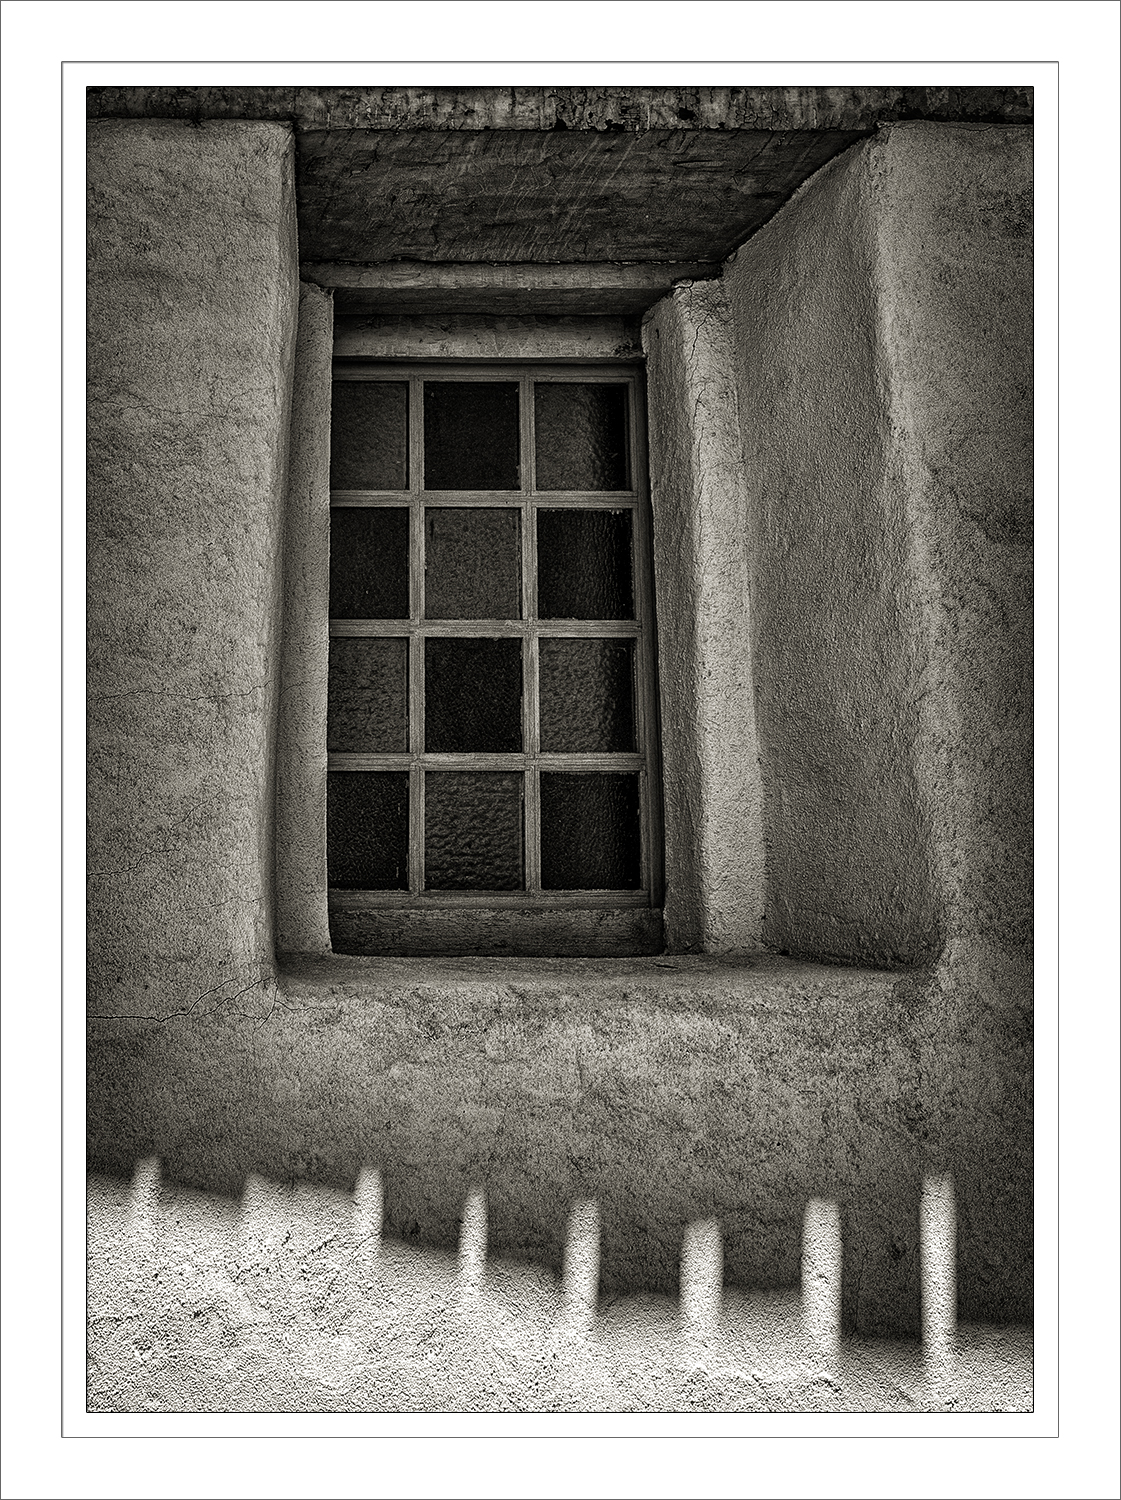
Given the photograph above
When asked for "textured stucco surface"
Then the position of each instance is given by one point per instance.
(883, 338)
(667, 1090)
(301, 748)
(956, 310)
(713, 792)
(291, 1300)
(836, 630)
(460, 336)
(191, 306)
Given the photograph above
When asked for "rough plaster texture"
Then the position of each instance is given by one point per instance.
(301, 749)
(713, 791)
(883, 343)
(884, 351)
(290, 1300)
(459, 336)
(191, 308)
(956, 310)
(835, 632)
(667, 1091)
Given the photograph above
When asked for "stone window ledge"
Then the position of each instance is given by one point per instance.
(585, 983)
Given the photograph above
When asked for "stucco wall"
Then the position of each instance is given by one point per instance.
(301, 746)
(883, 340)
(667, 1090)
(192, 303)
(670, 1090)
(714, 899)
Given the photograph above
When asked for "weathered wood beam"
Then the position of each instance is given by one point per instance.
(588, 109)
(485, 337)
(583, 290)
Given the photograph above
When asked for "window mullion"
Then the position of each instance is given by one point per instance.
(416, 635)
(531, 717)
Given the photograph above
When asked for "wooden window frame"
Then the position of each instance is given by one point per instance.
(354, 914)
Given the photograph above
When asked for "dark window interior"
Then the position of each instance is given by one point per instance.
(490, 719)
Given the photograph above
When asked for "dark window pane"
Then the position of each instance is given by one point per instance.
(472, 695)
(470, 435)
(367, 695)
(584, 565)
(369, 563)
(581, 433)
(368, 830)
(369, 435)
(472, 565)
(587, 695)
(589, 832)
(473, 831)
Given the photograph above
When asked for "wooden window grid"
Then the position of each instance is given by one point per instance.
(531, 761)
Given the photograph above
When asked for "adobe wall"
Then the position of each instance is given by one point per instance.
(669, 1089)
(883, 329)
(191, 316)
(714, 895)
(883, 344)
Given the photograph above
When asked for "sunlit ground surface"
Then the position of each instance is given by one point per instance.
(291, 1302)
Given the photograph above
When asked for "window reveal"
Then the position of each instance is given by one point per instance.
(490, 711)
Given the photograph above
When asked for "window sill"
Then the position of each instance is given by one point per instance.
(495, 932)
(756, 976)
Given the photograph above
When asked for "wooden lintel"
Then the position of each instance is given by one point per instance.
(589, 109)
(582, 290)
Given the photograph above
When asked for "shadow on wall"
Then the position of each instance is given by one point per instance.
(668, 1092)
(297, 1301)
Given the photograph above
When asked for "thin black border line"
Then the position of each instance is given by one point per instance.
(737, 1437)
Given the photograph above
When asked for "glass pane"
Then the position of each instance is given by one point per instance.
(472, 565)
(369, 563)
(367, 695)
(584, 565)
(368, 830)
(472, 695)
(369, 435)
(587, 695)
(473, 831)
(581, 436)
(589, 832)
(471, 435)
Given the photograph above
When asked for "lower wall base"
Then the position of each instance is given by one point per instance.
(668, 1090)
(287, 1302)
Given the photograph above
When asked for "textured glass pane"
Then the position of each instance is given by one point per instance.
(368, 830)
(367, 695)
(473, 831)
(584, 565)
(369, 435)
(589, 832)
(470, 435)
(587, 695)
(472, 695)
(472, 565)
(581, 434)
(369, 563)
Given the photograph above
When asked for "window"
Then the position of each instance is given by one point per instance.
(491, 719)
